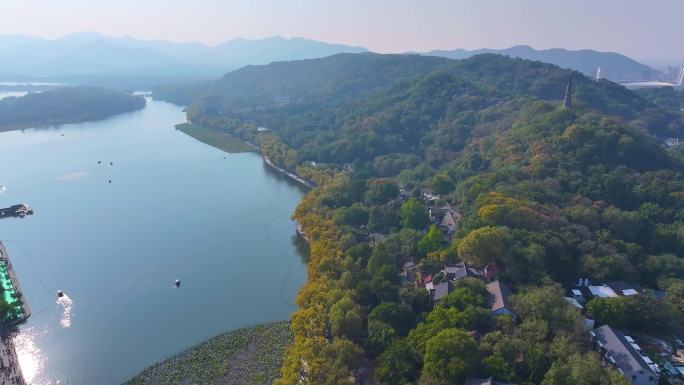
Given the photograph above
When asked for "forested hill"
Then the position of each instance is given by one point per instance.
(64, 105)
(304, 100)
(539, 193)
(337, 77)
(613, 65)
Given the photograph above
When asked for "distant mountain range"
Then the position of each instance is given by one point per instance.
(125, 62)
(614, 66)
(90, 57)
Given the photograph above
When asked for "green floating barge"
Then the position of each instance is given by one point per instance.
(15, 311)
(17, 308)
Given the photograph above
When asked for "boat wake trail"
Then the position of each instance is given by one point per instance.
(67, 310)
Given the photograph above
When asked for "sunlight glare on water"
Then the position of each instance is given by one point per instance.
(31, 358)
(117, 247)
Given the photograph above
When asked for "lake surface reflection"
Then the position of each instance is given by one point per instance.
(123, 207)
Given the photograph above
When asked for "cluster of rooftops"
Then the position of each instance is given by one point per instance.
(605, 290)
(499, 291)
(622, 352)
(619, 350)
(616, 349)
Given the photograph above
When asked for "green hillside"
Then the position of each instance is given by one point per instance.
(546, 194)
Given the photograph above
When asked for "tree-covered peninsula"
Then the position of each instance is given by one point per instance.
(64, 105)
(456, 204)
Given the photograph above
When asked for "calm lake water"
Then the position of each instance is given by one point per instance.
(175, 208)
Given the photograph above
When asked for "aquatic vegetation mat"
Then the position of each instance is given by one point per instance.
(249, 356)
(215, 138)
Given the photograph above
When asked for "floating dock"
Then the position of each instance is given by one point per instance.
(20, 210)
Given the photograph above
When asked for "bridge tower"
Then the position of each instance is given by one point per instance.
(679, 83)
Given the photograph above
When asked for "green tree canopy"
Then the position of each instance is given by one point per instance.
(414, 215)
(449, 356)
(398, 365)
(346, 318)
(484, 245)
(433, 240)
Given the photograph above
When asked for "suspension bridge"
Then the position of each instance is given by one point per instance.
(677, 84)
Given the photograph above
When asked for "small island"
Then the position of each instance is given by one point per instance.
(63, 106)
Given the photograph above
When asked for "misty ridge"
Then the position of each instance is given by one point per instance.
(125, 62)
(92, 58)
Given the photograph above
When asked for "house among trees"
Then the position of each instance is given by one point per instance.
(621, 352)
(602, 291)
(409, 271)
(429, 196)
(612, 289)
(479, 381)
(439, 290)
(578, 297)
(455, 272)
(451, 274)
(499, 293)
(445, 217)
(623, 289)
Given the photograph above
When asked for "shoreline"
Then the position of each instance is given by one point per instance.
(266, 159)
(289, 174)
(10, 371)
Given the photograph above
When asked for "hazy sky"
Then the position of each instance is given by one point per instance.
(650, 30)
